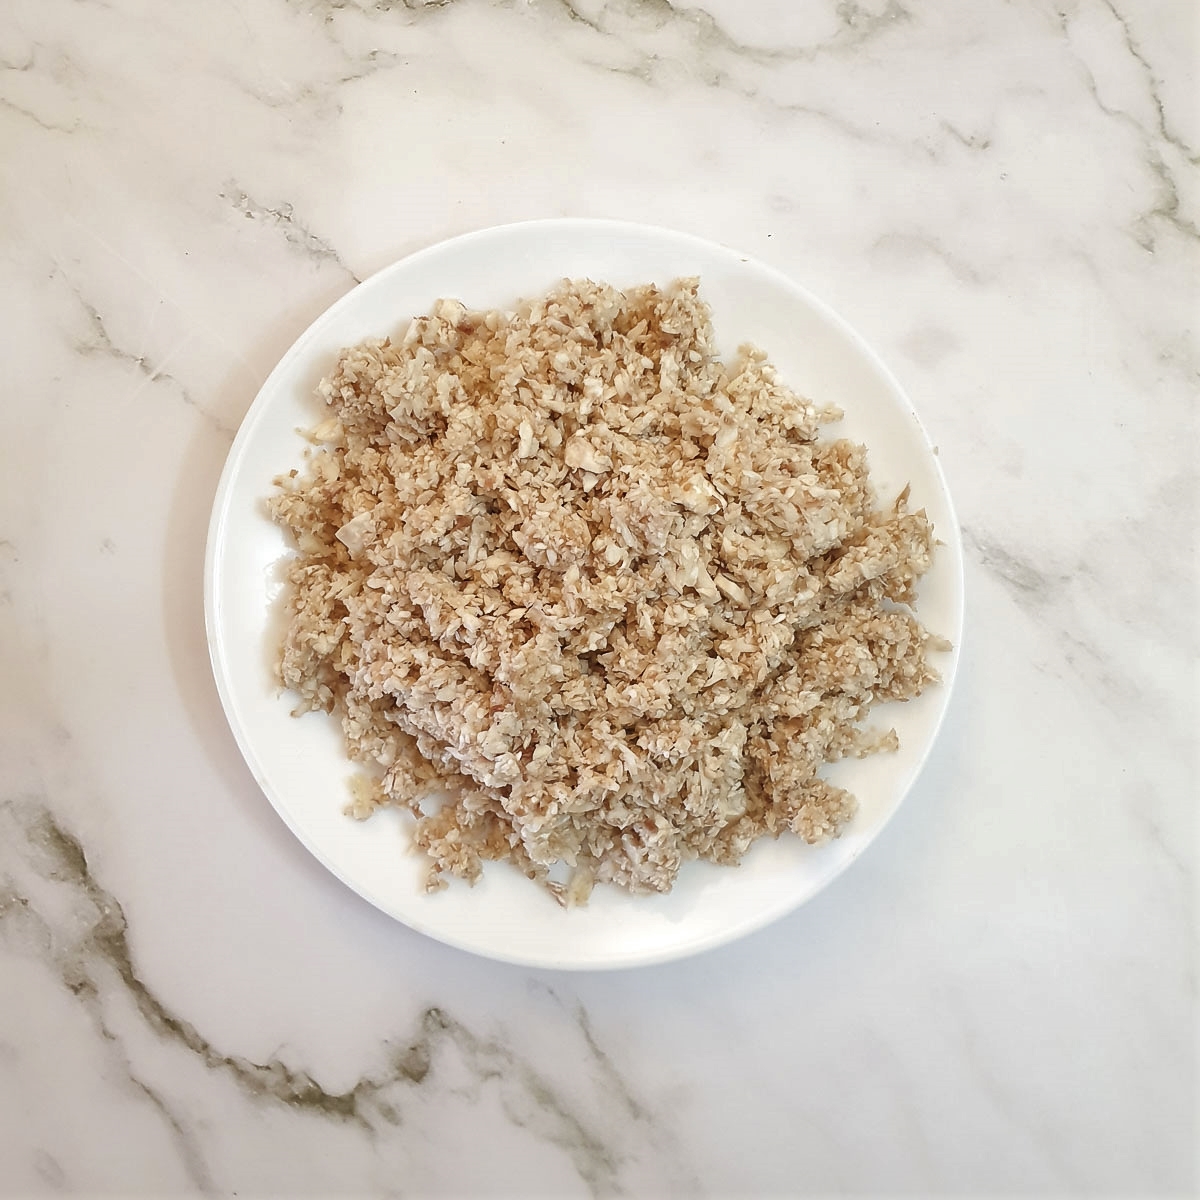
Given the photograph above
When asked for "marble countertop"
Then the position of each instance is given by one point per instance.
(1001, 997)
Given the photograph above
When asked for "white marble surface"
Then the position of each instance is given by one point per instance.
(1001, 997)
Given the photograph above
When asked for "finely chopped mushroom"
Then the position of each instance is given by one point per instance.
(588, 599)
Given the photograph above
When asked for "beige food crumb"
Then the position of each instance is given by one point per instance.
(587, 598)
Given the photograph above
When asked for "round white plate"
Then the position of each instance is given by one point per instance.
(300, 763)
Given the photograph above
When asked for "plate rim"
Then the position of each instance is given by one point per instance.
(213, 575)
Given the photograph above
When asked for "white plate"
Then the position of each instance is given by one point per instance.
(301, 764)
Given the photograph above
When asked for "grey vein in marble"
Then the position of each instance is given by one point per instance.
(8, 554)
(185, 1139)
(41, 122)
(283, 217)
(1131, 45)
(549, 1116)
(969, 141)
(57, 856)
(706, 45)
(32, 934)
(710, 51)
(60, 69)
(1169, 207)
(49, 1169)
(613, 1082)
(924, 245)
(857, 26)
(635, 1109)
(1029, 586)
(101, 343)
(327, 8)
(97, 951)
(1052, 600)
(318, 92)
